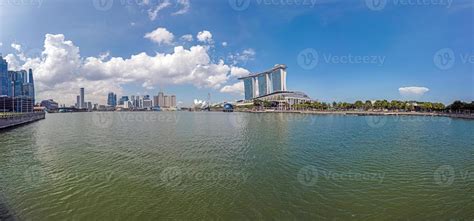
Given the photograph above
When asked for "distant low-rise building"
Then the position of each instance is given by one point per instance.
(50, 105)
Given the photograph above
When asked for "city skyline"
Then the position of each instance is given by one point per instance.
(335, 51)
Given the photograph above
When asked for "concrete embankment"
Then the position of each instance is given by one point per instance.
(7, 121)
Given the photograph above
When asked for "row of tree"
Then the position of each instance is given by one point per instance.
(393, 105)
(459, 106)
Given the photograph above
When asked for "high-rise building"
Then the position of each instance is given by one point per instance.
(31, 85)
(249, 88)
(4, 81)
(138, 102)
(81, 102)
(268, 82)
(112, 99)
(123, 100)
(167, 101)
(147, 103)
(132, 101)
(173, 101)
(161, 99)
(78, 101)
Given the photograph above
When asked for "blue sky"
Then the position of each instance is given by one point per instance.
(401, 43)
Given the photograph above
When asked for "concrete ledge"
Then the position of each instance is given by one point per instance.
(19, 119)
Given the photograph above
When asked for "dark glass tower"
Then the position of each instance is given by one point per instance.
(4, 81)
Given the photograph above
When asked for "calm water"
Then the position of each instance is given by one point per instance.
(148, 166)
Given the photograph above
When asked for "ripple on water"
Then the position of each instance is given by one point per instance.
(204, 166)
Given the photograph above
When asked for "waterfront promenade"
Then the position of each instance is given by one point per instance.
(11, 120)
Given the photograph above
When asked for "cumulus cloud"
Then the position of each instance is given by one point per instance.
(187, 38)
(15, 46)
(413, 91)
(224, 44)
(237, 88)
(160, 36)
(1, 44)
(60, 70)
(13, 63)
(238, 72)
(204, 36)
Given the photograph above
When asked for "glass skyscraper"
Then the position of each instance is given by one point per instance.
(112, 99)
(265, 83)
(262, 85)
(4, 81)
(248, 88)
(18, 86)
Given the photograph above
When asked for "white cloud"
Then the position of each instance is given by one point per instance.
(413, 91)
(224, 44)
(1, 44)
(13, 63)
(237, 88)
(60, 71)
(243, 57)
(204, 36)
(160, 36)
(238, 72)
(153, 12)
(185, 5)
(15, 46)
(187, 38)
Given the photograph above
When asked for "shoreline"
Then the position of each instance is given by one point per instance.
(372, 113)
